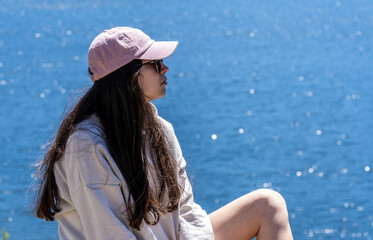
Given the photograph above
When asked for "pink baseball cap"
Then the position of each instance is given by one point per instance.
(118, 46)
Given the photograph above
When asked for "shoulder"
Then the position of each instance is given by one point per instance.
(86, 156)
(89, 131)
(86, 143)
(165, 124)
(168, 131)
(171, 141)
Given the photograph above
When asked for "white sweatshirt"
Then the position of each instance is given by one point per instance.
(93, 193)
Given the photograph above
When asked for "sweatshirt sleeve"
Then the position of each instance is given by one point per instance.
(194, 221)
(95, 191)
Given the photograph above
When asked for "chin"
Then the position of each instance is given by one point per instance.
(163, 93)
(159, 96)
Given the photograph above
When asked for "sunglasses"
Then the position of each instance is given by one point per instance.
(157, 64)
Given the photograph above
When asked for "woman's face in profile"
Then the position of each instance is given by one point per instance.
(152, 83)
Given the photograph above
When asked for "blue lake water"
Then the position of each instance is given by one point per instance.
(273, 94)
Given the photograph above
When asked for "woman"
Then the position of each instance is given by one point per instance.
(115, 169)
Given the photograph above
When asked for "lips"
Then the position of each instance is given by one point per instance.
(164, 81)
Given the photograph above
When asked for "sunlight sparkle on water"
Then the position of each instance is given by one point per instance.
(344, 170)
(333, 210)
(214, 136)
(62, 90)
(352, 97)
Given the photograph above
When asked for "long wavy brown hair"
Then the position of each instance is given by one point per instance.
(120, 104)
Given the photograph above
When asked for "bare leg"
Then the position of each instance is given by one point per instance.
(261, 213)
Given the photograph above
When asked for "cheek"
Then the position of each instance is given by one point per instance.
(145, 84)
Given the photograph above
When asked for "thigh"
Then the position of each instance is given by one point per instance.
(241, 218)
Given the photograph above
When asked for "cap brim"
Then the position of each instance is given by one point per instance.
(159, 50)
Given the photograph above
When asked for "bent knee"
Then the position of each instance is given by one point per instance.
(272, 204)
(271, 198)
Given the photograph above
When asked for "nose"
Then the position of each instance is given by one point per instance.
(164, 68)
